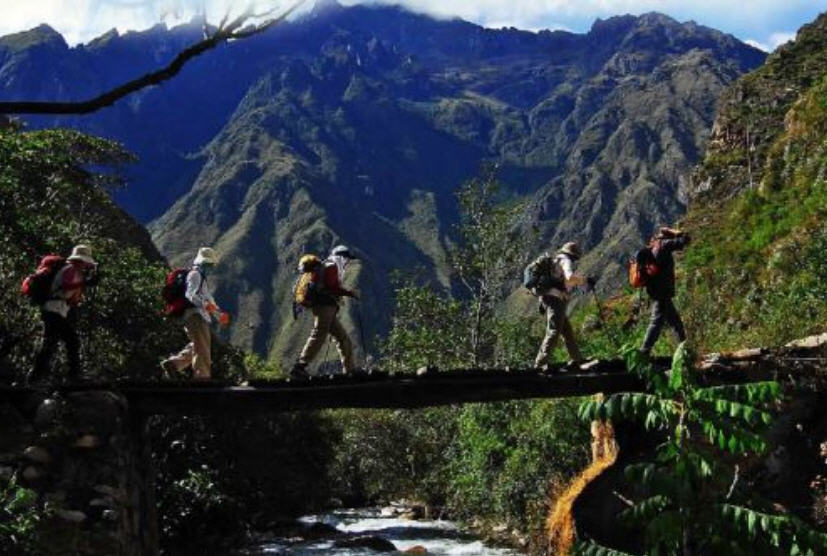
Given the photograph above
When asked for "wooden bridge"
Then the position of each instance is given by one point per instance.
(429, 387)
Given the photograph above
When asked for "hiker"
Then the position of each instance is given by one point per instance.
(660, 285)
(200, 308)
(554, 278)
(325, 308)
(64, 292)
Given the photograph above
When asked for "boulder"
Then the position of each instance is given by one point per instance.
(87, 441)
(47, 413)
(6, 473)
(72, 516)
(418, 549)
(31, 473)
(37, 454)
(372, 542)
(320, 531)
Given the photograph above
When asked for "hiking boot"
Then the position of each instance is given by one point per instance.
(170, 371)
(299, 372)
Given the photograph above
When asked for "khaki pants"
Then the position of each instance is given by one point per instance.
(557, 324)
(325, 321)
(197, 352)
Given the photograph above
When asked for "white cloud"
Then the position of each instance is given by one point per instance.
(775, 40)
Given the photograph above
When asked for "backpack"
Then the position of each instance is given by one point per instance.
(174, 292)
(642, 267)
(38, 286)
(543, 274)
(309, 285)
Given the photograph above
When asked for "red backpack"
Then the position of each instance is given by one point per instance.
(38, 286)
(174, 292)
(643, 267)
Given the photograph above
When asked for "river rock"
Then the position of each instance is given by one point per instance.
(112, 492)
(88, 441)
(6, 473)
(31, 473)
(37, 454)
(72, 516)
(47, 413)
(367, 541)
(418, 549)
(320, 531)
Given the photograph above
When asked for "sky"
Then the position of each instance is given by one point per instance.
(762, 23)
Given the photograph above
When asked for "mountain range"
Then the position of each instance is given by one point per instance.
(357, 124)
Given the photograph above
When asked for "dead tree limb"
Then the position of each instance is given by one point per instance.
(225, 32)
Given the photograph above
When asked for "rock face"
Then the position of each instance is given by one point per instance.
(100, 492)
(356, 125)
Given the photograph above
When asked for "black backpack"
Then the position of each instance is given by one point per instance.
(543, 274)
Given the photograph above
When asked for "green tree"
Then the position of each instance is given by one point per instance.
(691, 501)
(485, 257)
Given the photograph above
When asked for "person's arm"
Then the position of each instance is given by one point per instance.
(196, 292)
(572, 280)
(676, 241)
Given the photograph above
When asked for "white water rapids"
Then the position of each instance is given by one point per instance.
(438, 537)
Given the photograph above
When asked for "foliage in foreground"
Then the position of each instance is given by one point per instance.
(690, 498)
(19, 517)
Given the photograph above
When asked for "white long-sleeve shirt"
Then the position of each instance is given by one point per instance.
(198, 293)
(572, 280)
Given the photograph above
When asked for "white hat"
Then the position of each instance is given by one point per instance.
(571, 249)
(205, 255)
(82, 253)
(342, 251)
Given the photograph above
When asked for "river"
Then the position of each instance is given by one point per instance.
(437, 537)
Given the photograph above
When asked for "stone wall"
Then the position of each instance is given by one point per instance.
(85, 456)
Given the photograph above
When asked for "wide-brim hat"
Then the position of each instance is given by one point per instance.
(342, 251)
(82, 253)
(206, 255)
(571, 249)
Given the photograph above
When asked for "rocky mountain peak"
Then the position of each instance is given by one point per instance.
(42, 35)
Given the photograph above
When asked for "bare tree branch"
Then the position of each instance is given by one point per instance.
(224, 33)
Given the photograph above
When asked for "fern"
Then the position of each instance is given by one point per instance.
(685, 501)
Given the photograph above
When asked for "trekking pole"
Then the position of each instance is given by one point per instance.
(361, 332)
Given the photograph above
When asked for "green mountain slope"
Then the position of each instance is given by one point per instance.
(756, 272)
(364, 138)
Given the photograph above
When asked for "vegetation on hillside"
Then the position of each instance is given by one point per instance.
(758, 262)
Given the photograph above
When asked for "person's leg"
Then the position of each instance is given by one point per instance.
(552, 305)
(201, 345)
(343, 344)
(674, 319)
(568, 337)
(323, 318)
(51, 337)
(179, 361)
(69, 334)
(655, 326)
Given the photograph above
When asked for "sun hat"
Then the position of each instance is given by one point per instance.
(342, 251)
(206, 255)
(571, 249)
(82, 253)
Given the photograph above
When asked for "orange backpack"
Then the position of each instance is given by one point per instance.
(642, 267)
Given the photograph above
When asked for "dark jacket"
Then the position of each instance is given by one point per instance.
(662, 285)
